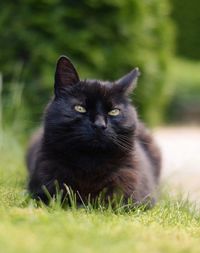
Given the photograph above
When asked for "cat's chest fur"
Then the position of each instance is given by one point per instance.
(86, 174)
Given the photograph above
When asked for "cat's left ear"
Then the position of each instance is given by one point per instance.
(65, 75)
(128, 83)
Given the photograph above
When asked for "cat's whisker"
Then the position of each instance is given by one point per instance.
(120, 144)
(125, 143)
(124, 137)
(129, 143)
(125, 140)
(86, 149)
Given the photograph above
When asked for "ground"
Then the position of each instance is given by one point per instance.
(181, 160)
(173, 225)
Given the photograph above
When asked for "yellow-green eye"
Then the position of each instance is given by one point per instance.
(114, 112)
(79, 108)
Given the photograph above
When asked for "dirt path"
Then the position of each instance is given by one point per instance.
(181, 158)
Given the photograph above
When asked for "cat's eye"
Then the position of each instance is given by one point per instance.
(114, 112)
(80, 108)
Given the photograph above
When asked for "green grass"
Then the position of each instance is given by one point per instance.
(172, 226)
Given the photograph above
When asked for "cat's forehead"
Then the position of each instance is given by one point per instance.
(96, 89)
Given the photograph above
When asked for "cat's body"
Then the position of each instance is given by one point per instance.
(92, 141)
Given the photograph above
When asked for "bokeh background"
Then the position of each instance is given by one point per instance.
(104, 39)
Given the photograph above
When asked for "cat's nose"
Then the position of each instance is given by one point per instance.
(100, 123)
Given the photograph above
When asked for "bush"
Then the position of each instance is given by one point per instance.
(105, 39)
(185, 102)
(187, 17)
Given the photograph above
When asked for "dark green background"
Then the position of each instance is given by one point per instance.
(105, 39)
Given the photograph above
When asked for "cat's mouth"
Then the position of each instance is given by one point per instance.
(100, 141)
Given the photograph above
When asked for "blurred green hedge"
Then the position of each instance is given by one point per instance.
(105, 39)
(185, 101)
(186, 14)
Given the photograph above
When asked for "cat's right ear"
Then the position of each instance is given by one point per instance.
(65, 75)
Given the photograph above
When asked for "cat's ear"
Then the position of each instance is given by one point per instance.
(128, 83)
(65, 75)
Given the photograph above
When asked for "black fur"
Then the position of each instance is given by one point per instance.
(93, 151)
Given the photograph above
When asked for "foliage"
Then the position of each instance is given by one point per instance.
(185, 101)
(186, 14)
(105, 39)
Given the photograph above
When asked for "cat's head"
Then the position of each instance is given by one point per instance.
(90, 114)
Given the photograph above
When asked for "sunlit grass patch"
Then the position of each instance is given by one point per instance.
(28, 226)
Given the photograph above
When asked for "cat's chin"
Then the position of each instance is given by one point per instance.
(97, 146)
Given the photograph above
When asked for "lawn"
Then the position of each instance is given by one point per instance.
(172, 226)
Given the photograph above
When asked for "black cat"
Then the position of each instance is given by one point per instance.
(92, 141)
